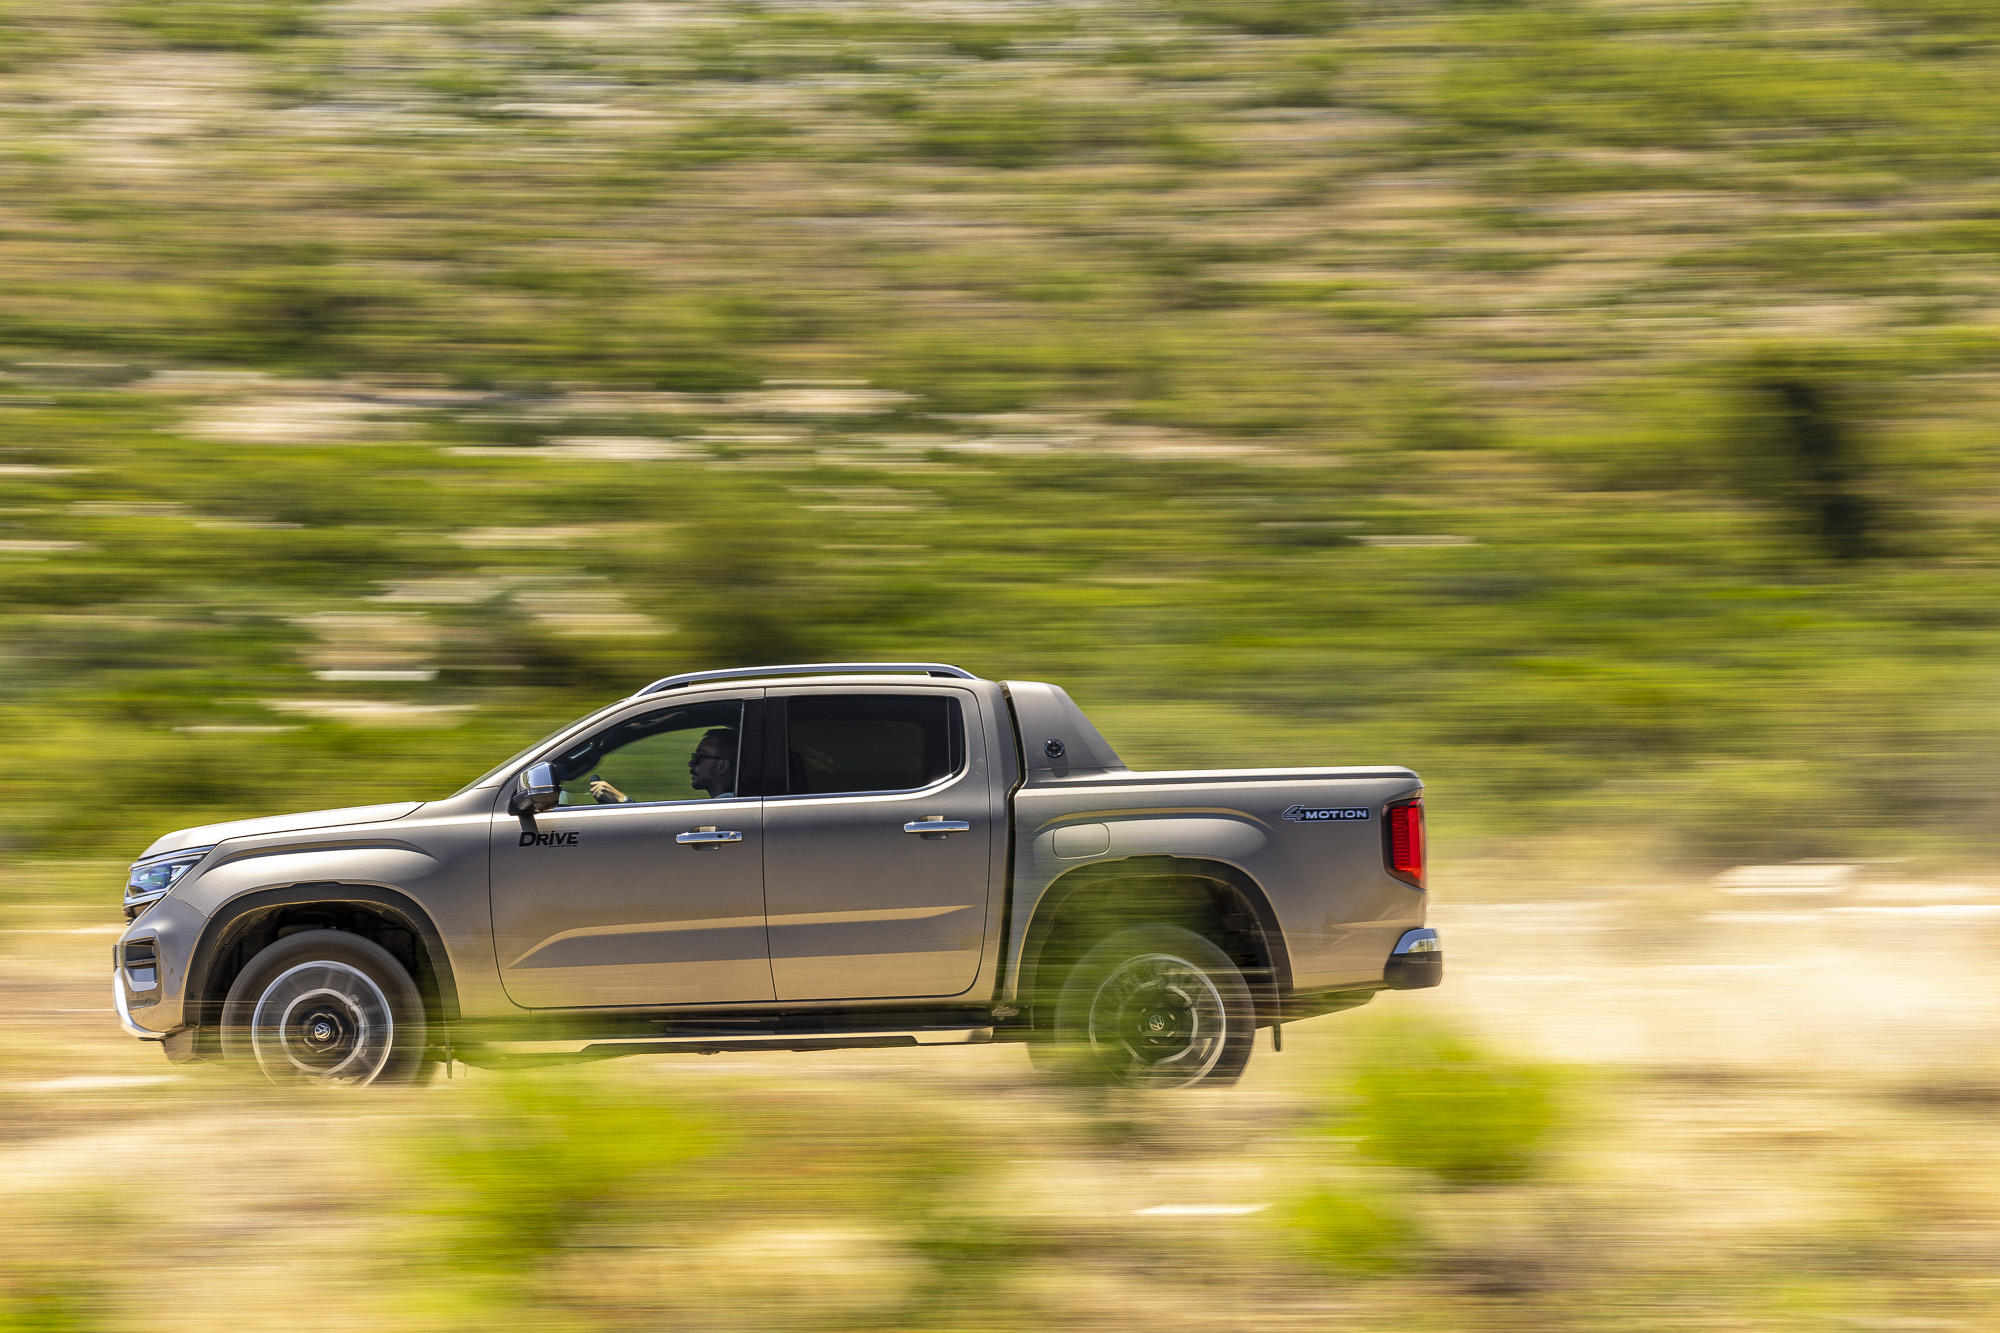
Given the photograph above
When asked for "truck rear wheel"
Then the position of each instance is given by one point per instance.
(325, 1007)
(1153, 1007)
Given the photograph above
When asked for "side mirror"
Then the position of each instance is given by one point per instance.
(535, 790)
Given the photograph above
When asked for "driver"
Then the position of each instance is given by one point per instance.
(711, 768)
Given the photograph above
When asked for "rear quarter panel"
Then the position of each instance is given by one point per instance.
(1338, 909)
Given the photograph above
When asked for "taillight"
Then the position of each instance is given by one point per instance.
(1405, 851)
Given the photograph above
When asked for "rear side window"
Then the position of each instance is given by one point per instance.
(871, 742)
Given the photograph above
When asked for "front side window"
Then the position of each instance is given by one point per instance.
(688, 753)
(840, 743)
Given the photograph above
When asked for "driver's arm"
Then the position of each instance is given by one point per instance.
(605, 794)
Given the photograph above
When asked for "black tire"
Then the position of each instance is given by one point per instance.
(1152, 1007)
(326, 1007)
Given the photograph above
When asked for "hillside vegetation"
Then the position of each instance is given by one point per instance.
(1584, 401)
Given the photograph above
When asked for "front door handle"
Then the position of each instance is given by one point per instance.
(708, 836)
(936, 826)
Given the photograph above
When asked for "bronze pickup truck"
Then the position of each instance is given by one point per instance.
(792, 858)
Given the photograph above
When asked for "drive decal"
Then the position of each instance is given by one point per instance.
(1306, 814)
(566, 839)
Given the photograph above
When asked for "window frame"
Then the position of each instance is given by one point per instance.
(778, 737)
(749, 754)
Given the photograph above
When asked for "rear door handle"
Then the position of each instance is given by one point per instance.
(707, 837)
(936, 825)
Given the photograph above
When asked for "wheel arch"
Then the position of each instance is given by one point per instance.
(1217, 900)
(250, 921)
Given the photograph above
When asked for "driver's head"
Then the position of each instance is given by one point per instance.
(712, 766)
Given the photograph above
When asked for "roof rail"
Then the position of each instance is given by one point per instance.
(810, 669)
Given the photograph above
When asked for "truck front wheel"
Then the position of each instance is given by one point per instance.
(325, 1007)
(1153, 1007)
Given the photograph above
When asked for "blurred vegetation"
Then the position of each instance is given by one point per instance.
(598, 1200)
(1430, 1112)
(640, 1194)
(1586, 403)
(1431, 1100)
(634, 1196)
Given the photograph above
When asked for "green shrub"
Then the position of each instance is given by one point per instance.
(1007, 134)
(1351, 1231)
(1963, 19)
(1012, 132)
(52, 1307)
(295, 312)
(1800, 447)
(723, 139)
(218, 25)
(1432, 420)
(1433, 1101)
(20, 44)
(1269, 18)
(544, 1156)
(1300, 90)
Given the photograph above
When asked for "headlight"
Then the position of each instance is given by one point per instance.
(151, 878)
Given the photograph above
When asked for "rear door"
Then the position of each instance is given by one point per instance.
(862, 899)
(646, 885)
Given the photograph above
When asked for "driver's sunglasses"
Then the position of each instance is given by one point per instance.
(698, 756)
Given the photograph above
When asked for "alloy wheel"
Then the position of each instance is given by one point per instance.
(1159, 1020)
(323, 1022)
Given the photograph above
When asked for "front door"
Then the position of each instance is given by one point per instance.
(645, 885)
(859, 906)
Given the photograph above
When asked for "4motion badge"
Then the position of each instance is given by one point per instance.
(1308, 814)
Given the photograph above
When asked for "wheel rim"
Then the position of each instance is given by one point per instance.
(323, 1022)
(1158, 1019)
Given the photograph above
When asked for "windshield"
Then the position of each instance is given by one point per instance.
(507, 765)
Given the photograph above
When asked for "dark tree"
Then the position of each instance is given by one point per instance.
(1804, 455)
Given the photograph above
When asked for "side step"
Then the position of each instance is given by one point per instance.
(711, 1042)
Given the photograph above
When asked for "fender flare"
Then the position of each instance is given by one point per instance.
(1087, 878)
(221, 930)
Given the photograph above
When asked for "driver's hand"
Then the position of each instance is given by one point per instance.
(605, 794)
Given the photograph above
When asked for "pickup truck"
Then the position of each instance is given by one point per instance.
(801, 857)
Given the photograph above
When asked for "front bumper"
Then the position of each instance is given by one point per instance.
(1417, 961)
(125, 1012)
(149, 965)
